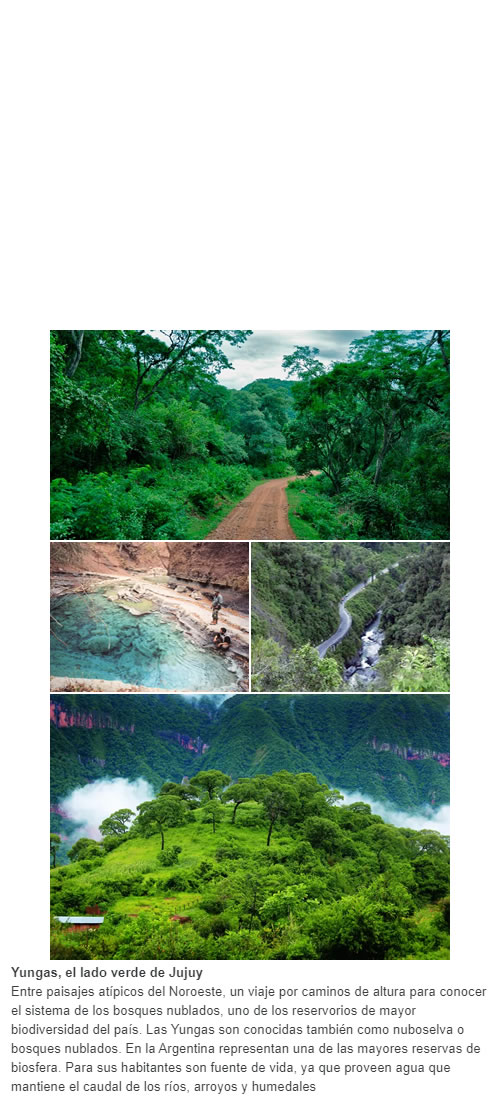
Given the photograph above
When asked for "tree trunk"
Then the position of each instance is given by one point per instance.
(382, 453)
(269, 834)
(444, 354)
(162, 839)
(76, 354)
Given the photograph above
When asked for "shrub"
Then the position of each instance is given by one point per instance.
(169, 856)
(227, 850)
(203, 497)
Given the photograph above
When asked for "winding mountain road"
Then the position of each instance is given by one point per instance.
(345, 618)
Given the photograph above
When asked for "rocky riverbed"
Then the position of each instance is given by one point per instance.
(362, 671)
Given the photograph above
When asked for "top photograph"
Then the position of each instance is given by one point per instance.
(238, 434)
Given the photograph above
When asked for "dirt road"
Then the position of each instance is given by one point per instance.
(262, 515)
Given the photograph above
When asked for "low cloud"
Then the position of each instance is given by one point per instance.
(425, 818)
(88, 806)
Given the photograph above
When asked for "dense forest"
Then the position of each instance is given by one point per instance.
(393, 748)
(146, 443)
(296, 589)
(269, 864)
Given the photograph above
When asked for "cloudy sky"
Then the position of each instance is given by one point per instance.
(262, 354)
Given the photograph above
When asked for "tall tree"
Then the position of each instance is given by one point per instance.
(278, 797)
(159, 815)
(354, 413)
(188, 354)
(210, 781)
(245, 790)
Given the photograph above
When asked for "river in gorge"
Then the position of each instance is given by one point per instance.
(363, 672)
(94, 638)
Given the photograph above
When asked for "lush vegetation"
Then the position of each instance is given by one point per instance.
(392, 748)
(147, 444)
(378, 428)
(296, 588)
(268, 867)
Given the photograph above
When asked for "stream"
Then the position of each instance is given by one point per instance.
(364, 671)
(92, 637)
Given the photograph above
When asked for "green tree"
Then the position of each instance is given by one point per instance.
(116, 824)
(55, 842)
(187, 354)
(210, 781)
(323, 833)
(249, 892)
(185, 791)
(278, 797)
(212, 813)
(367, 925)
(302, 670)
(245, 790)
(352, 415)
(85, 848)
(160, 814)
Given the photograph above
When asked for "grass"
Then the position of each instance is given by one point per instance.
(182, 903)
(198, 527)
(198, 842)
(149, 913)
(300, 527)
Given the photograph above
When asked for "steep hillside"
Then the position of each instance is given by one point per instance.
(393, 748)
(296, 587)
(422, 605)
(156, 737)
(331, 882)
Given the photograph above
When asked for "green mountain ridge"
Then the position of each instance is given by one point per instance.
(393, 748)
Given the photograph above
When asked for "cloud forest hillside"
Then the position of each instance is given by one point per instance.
(255, 853)
(393, 748)
(398, 598)
(147, 444)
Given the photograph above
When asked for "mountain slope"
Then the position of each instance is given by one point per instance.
(392, 748)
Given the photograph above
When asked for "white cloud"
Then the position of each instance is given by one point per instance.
(88, 806)
(261, 356)
(426, 818)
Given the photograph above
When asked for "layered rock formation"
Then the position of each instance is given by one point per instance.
(223, 565)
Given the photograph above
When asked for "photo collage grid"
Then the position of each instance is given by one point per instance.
(250, 644)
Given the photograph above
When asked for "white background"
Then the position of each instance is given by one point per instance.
(273, 165)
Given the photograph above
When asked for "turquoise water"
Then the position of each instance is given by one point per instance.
(93, 638)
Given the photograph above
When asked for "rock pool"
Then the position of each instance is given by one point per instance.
(94, 638)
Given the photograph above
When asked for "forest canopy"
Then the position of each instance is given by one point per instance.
(146, 442)
(272, 867)
(296, 592)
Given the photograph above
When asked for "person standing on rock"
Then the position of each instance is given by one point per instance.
(216, 606)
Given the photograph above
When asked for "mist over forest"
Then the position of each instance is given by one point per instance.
(251, 837)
